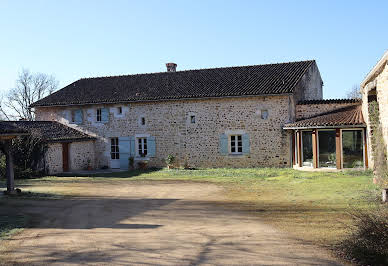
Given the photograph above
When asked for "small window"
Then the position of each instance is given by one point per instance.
(236, 144)
(264, 114)
(73, 116)
(119, 110)
(142, 121)
(192, 119)
(99, 114)
(114, 145)
(142, 147)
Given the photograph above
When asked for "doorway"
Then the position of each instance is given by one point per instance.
(114, 153)
(65, 157)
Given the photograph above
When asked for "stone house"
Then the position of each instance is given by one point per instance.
(251, 116)
(374, 87)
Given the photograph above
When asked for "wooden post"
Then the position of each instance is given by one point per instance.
(315, 148)
(9, 168)
(293, 148)
(366, 149)
(338, 148)
(385, 191)
(299, 139)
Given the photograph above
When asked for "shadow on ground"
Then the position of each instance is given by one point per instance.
(148, 224)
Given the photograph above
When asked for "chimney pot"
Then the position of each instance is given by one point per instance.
(171, 67)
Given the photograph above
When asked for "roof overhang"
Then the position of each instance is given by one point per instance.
(375, 70)
(161, 100)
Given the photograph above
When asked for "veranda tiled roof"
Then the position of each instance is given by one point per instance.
(7, 128)
(270, 79)
(350, 116)
(50, 131)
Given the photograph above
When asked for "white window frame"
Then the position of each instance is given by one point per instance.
(114, 143)
(119, 110)
(235, 144)
(141, 144)
(99, 114)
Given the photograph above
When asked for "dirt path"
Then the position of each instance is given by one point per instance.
(152, 223)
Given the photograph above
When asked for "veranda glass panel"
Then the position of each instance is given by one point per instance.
(307, 148)
(352, 148)
(327, 152)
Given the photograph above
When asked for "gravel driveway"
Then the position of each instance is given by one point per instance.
(148, 223)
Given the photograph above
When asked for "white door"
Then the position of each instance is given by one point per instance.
(114, 153)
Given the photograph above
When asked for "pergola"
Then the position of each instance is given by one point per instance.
(7, 133)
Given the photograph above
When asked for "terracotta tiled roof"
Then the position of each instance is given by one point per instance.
(49, 130)
(329, 101)
(348, 116)
(271, 79)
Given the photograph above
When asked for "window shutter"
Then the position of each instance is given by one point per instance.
(132, 151)
(104, 115)
(124, 152)
(224, 144)
(245, 144)
(151, 146)
(78, 116)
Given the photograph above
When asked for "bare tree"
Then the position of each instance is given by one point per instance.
(354, 92)
(30, 87)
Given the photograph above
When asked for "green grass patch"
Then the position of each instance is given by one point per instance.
(11, 224)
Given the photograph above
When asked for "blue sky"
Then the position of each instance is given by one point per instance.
(75, 39)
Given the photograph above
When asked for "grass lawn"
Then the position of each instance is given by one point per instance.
(313, 206)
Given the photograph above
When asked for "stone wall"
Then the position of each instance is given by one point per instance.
(310, 86)
(80, 154)
(196, 144)
(380, 83)
(309, 110)
(53, 158)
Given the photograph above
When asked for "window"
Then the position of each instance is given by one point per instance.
(114, 149)
(142, 121)
(352, 148)
(236, 144)
(119, 110)
(307, 148)
(264, 114)
(192, 119)
(99, 114)
(73, 116)
(327, 148)
(142, 147)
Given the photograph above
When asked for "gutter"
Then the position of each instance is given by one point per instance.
(321, 127)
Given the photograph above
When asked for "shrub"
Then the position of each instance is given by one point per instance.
(170, 159)
(28, 154)
(131, 162)
(367, 244)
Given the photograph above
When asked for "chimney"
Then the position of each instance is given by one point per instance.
(171, 67)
